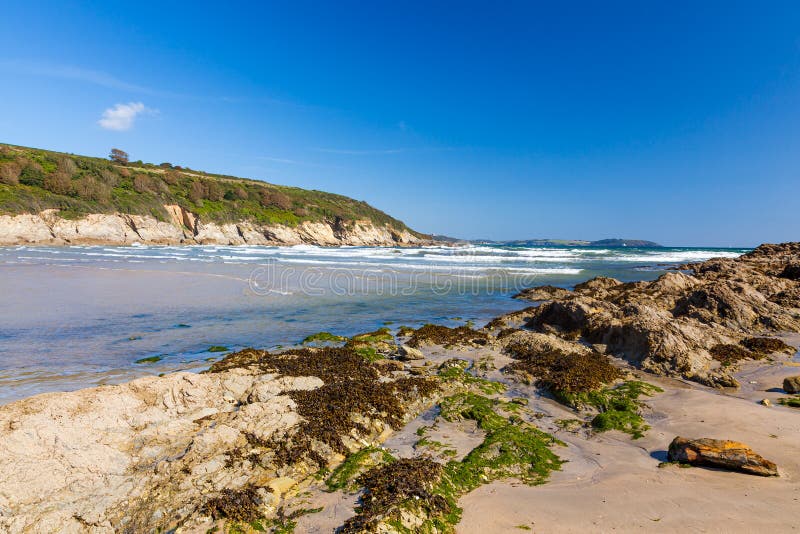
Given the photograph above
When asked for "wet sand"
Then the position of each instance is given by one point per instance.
(614, 484)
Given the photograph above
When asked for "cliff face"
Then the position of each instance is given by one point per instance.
(185, 228)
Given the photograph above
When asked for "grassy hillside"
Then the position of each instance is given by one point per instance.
(32, 180)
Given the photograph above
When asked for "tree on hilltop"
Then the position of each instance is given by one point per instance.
(118, 156)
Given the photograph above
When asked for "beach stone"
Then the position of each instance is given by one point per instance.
(407, 353)
(791, 384)
(766, 402)
(724, 454)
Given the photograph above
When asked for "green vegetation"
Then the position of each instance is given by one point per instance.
(345, 474)
(150, 359)
(373, 346)
(793, 402)
(570, 425)
(405, 331)
(662, 465)
(512, 448)
(619, 407)
(455, 371)
(218, 348)
(438, 446)
(323, 337)
(32, 180)
(420, 487)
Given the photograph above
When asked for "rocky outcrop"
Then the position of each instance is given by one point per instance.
(791, 384)
(719, 453)
(186, 449)
(184, 227)
(671, 326)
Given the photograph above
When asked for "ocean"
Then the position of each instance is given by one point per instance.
(74, 317)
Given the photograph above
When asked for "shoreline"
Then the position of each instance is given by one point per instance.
(47, 228)
(507, 426)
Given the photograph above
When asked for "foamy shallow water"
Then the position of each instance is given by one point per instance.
(73, 317)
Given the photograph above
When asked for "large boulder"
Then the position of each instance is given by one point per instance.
(720, 453)
(791, 384)
(406, 353)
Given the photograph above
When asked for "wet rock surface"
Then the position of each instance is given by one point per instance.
(694, 323)
(719, 453)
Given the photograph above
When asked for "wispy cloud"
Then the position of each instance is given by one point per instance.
(69, 72)
(350, 152)
(105, 79)
(288, 161)
(122, 116)
(281, 160)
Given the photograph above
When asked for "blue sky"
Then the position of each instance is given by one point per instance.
(672, 121)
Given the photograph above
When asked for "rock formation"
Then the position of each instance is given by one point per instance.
(160, 452)
(686, 323)
(184, 227)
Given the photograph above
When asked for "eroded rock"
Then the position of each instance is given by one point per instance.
(695, 324)
(720, 453)
(164, 452)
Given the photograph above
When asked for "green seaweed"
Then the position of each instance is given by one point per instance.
(793, 402)
(512, 448)
(456, 371)
(424, 489)
(217, 348)
(373, 346)
(345, 474)
(618, 406)
(323, 337)
(150, 359)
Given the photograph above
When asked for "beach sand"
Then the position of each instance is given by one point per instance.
(614, 484)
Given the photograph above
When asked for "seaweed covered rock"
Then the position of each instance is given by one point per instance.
(684, 323)
(433, 334)
(231, 444)
(373, 345)
(352, 404)
(719, 453)
(391, 484)
(767, 345)
(565, 374)
(728, 354)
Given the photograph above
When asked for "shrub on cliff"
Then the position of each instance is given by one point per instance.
(33, 180)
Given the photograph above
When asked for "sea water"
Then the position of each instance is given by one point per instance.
(73, 317)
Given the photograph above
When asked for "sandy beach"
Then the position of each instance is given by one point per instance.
(561, 416)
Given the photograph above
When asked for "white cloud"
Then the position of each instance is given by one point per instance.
(122, 116)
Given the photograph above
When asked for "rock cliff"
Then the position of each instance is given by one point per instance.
(185, 228)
